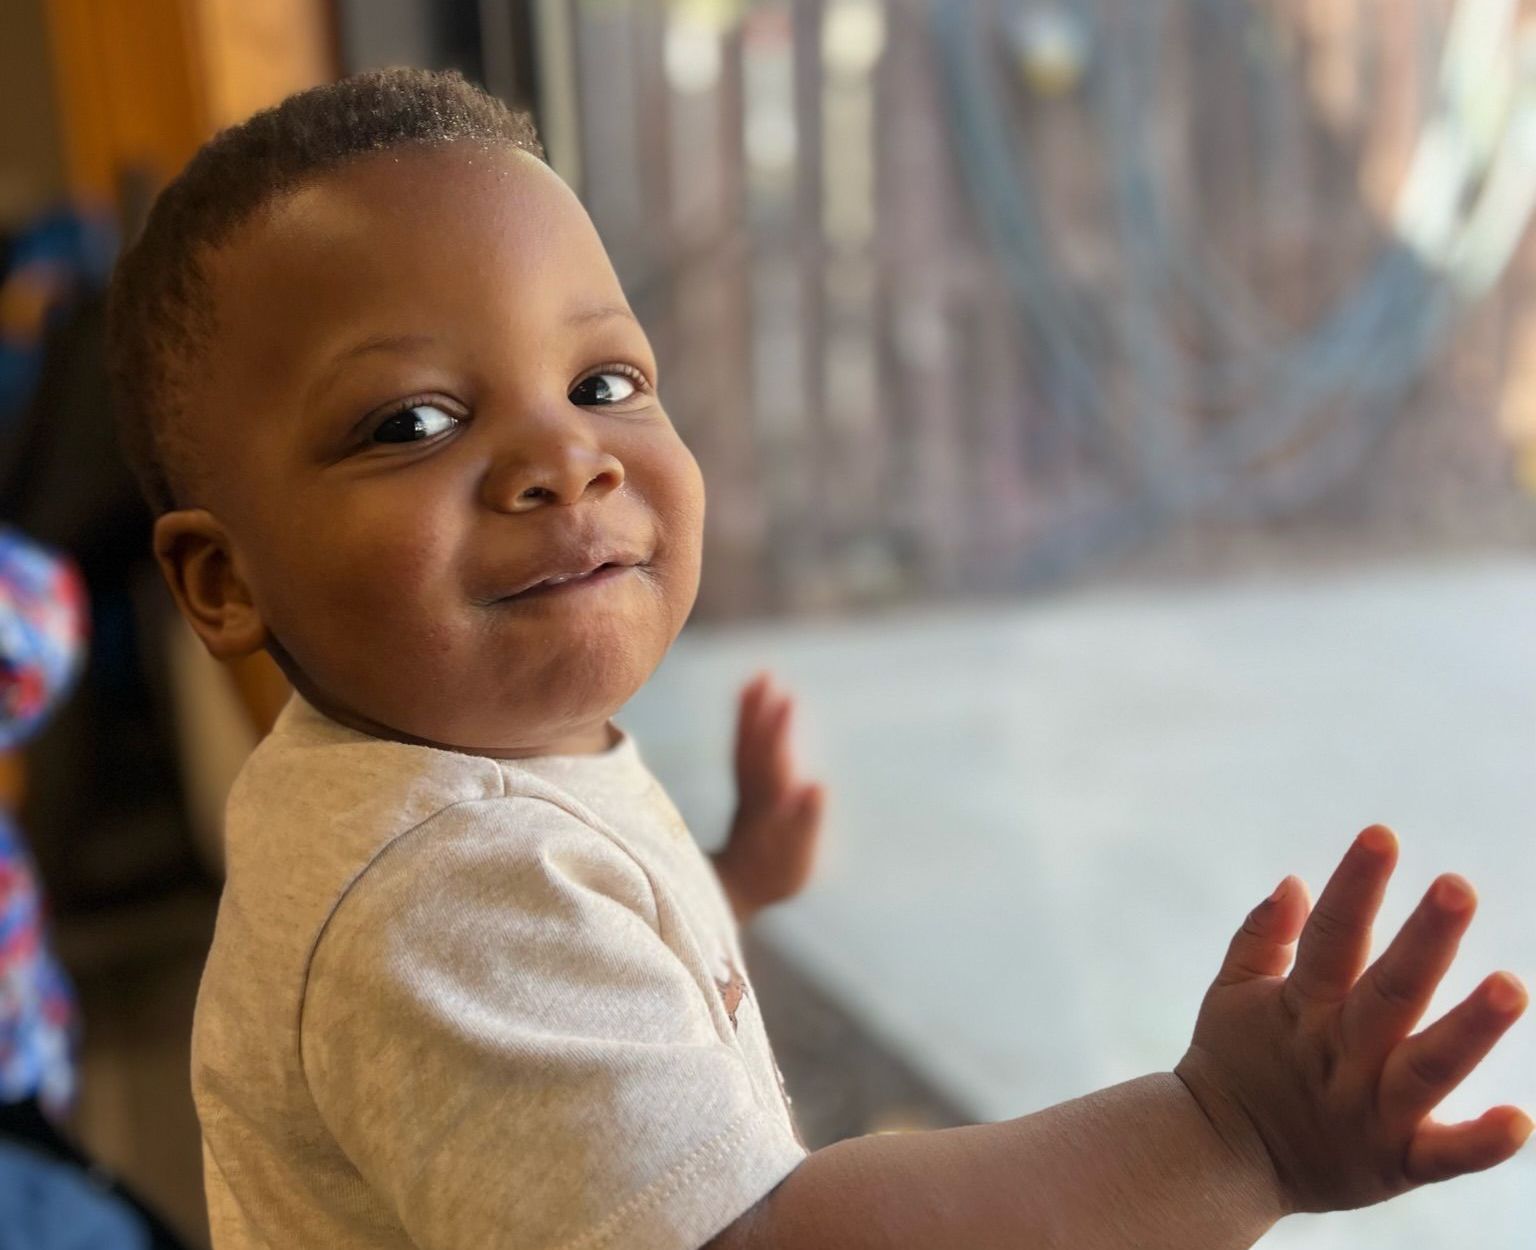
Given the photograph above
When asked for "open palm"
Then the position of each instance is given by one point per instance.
(771, 848)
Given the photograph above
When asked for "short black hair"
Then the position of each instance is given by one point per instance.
(160, 308)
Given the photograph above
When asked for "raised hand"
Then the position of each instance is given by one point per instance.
(772, 843)
(1318, 1069)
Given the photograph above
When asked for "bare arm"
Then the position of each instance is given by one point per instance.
(1304, 1091)
(1137, 1166)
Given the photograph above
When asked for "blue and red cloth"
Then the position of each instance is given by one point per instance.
(42, 634)
(42, 639)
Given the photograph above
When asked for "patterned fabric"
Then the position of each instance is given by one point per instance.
(42, 629)
(38, 1028)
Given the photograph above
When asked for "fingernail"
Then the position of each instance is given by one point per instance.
(1279, 891)
(1520, 1129)
(1505, 994)
(1378, 840)
(1453, 893)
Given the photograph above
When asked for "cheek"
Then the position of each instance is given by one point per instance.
(341, 580)
(689, 524)
(679, 503)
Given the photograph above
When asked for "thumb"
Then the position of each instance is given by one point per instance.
(1262, 947)
(811, 806)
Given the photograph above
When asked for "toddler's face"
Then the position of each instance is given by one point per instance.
(427, 394)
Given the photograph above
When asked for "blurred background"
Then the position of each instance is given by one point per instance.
(1119, 419)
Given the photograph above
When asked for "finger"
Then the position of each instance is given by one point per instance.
(750, 727)
(759, 681)
(1429, 1065)
(1395, 990)
(1262, 947)
(748, 703)
(780, 762)
(1441, 1151)
(807, 814)
(1336, 940)
(803, 836)
(753, 696)
(814, 801)
(810, 811)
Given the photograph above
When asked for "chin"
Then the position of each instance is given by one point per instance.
(556, 702)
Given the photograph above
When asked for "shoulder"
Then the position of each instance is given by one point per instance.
(316, 793)
(488, 906)
(473, 883)
(508, 851)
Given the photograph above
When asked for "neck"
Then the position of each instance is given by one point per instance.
(589, 740)
(592, 738)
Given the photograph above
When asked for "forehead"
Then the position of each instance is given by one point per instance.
(456, 238)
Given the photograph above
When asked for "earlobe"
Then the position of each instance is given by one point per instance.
(197, 559)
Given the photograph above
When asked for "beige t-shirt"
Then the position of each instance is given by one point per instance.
(464, 1003)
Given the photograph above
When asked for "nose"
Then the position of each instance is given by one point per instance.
(563, 468)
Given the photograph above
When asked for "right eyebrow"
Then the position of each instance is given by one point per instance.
(401, 344)
(379, 343)
(397, 344)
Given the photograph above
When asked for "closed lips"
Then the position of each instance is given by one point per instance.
(570, 577)
(562, 578)
(581, 572)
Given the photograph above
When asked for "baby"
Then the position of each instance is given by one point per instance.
(473, 985)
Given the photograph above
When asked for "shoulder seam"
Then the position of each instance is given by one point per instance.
(346, 892)
(597, 824)
(589, 820)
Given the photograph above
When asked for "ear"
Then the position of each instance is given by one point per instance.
(197, 558)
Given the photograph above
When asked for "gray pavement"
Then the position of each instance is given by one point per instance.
(1049, 817)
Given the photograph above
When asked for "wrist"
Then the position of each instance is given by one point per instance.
(725, 872)
(1233, 1130)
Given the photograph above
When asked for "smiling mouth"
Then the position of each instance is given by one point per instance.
(567, 583)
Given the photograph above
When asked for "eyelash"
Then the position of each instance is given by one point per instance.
(642, 383)
(642, 386)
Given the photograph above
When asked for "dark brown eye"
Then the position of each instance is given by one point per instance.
(604, 388)
(414, 424)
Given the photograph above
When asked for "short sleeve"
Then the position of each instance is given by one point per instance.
(512, 1055)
